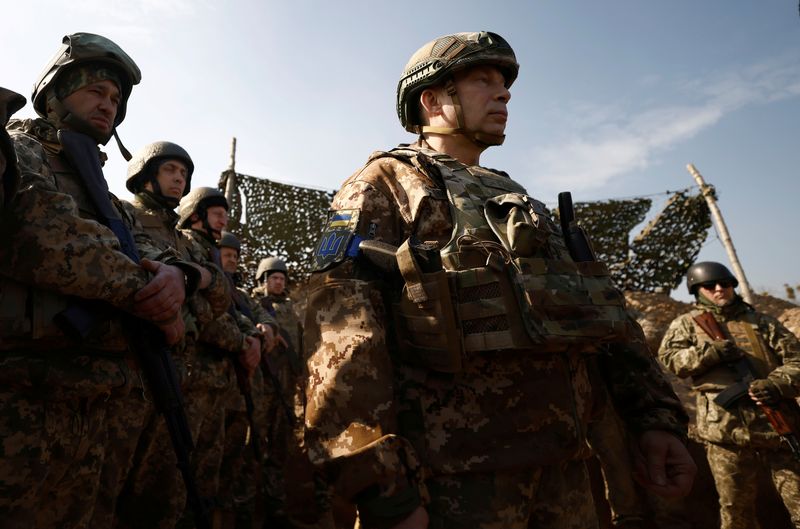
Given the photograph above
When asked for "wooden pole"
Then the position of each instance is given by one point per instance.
(230, 184)
(716, 214)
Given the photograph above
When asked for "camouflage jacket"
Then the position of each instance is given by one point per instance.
(158, 223)
(226, 333)
(285, 314)
(685, 350)
(54, 248)
(379, 426)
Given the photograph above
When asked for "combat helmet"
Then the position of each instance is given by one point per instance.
(143, 167)
(198, 201)
(706, 271)
(10, 102)
(269, 265)
(435, 63)
(229, 240)
(78, 49)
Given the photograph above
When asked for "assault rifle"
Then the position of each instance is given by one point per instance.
(778, 416)
(146, 340)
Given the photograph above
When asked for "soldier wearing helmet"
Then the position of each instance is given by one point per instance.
(232, 337)
(753, 349)
(445, 384)
(67, 243)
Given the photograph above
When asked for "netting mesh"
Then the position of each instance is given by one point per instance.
(274, 219)
(284, 220)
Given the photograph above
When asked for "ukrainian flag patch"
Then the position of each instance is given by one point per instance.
(336, 237)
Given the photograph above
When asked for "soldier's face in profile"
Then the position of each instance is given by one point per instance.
(217, 219)
(720, 293)
(96, 104)
(171, 178)
(229, 258)
(484, 97)
(276, 283)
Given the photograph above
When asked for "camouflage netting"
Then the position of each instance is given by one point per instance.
(274, 219)
(284, 220)
(657, 259)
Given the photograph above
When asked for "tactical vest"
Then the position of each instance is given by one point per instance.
(27, 313)
(505, 280)
(743, 332)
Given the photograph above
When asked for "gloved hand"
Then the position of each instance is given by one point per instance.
(766, 392)
(725, 350)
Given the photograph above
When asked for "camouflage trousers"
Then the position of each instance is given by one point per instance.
(53, 414)
(552, 497)
(735, 469)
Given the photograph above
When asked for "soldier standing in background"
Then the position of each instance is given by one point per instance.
(241, 474)
(154, 494)
(229, 338)
(67, 276)
(296, 497)
(10, 102)
(753, 349)
(430, 415)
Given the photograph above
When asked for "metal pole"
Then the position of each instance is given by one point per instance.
(230, 184)
(708, 193)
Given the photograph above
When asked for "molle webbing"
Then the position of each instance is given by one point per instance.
(493, 297)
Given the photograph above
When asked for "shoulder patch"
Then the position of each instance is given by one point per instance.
(336, 239)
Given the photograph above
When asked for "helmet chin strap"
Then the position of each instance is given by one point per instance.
(67, 118)
(481, 139)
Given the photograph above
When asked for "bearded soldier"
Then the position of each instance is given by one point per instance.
(69, 272)
(451, 333)
(10, 102)
(739, 347)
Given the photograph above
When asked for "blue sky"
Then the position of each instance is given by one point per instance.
(614, 98)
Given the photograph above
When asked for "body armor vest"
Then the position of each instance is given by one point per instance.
(27, 313)
(745, 335)
(505, 280)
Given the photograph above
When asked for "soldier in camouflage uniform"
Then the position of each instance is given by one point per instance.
(450, 350)
(241, 475)
(154, 494)
(739, 440)
(229, 338)
(10, 102)
(290, 475)
(66, 281)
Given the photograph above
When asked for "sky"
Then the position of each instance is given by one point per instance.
(614, 98)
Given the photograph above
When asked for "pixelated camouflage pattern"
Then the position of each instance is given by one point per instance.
(685, 350)
(368, 417)
(735, 470)
(53, 243)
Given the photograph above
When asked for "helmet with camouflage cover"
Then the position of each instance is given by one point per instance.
(10, 102)
(705, 272)
(435, 63)
(85, 49)
(144, 165)
(229, 240)
(198, 201)
(269, 265)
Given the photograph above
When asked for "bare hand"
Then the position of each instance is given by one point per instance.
(418, 519)
(663, 464)
(251, 354)
(269, 336)
(161, 299)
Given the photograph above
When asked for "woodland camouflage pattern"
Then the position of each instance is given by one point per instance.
(739, 442)
(381, 428)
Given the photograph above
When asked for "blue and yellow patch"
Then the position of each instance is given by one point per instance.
(337, 238)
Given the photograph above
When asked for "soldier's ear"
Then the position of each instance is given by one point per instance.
(430, 104)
